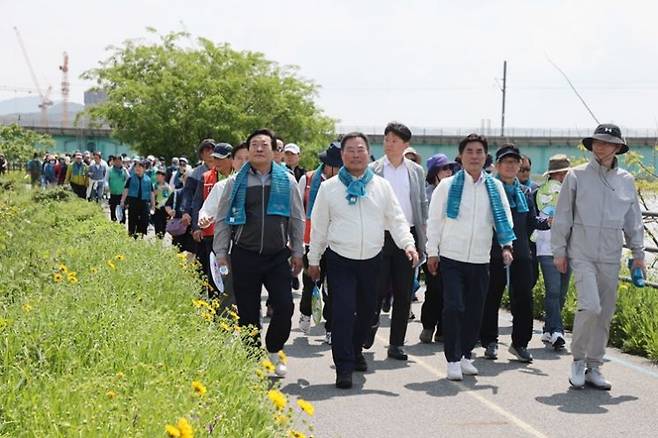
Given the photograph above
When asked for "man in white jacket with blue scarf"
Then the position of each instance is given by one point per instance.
(348, 220)
(464, 212)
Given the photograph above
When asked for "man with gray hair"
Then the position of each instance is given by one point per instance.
(597, 208)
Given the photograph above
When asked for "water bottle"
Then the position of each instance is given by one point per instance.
(223, 270)
(636, 274)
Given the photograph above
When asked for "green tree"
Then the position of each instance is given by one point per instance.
(20, 144)
(164, 97)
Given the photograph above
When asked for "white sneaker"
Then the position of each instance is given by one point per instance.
(546, 338)
(305, 324)
(577, 378)
(594, 378)
(558, 341)
(327, 338)
(467, 367)
(455, 371)
(280, 368)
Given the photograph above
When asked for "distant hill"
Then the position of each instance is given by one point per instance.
(26, 110)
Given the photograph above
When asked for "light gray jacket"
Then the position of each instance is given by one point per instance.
(597, 208)
(419, 201)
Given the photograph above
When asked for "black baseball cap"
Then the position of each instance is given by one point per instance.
(222, 150)
(507, 150)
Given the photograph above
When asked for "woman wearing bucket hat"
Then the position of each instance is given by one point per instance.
(439, 166)
(556, 283)
(597, 206)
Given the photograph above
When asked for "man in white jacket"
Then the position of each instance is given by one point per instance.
(348, 220)
(464, 211)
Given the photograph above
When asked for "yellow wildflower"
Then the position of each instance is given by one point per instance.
(277, 398)
(73, 280)
(27, 307)
(282, 357)
(296, 434)
(120, 257)
(57, 277)
(233, 315)
(111, 264)
(236, 328)
(281, 420)
(224, 326)
(111, 394)
(254, 332)
(306, 406)
(207, 316)
(215, 304)
(172, 431)
(120, 375)
(185, 428)
(259, 372)
(63, 268)
(71, 275)
(268, 365)
(181, 256)
(199, 388)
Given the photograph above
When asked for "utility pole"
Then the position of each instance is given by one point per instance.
(504, 90)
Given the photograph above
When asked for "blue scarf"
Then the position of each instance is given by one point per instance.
(516, 197)
(356, 188)
(504, 232)
(313, 191)
(278, 204)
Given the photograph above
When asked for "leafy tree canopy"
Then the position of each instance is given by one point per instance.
(164, 97)
(20, 144)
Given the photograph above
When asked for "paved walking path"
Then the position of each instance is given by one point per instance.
(507, 399)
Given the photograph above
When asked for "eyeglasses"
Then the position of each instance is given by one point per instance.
(524, 169)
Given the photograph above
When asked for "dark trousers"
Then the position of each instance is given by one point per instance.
(520, 293)
(114, 201)
(464, 291)
(397, 273)
(160, 222)
(430, 313)
(252, 271)
(138, 217)
(353, 300)
(305, 305)
(80, 191)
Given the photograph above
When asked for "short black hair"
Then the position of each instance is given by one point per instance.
(525, 157)
(352, 135)
(473, 137)
(263, 131)
(238, 147)
(400, 130)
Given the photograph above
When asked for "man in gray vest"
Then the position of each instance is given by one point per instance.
(408, 181)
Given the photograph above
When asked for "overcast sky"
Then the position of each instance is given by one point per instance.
(426, 63)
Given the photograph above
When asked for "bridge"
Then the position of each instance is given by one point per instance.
(538, 144)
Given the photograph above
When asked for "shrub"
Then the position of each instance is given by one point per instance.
(102, 335)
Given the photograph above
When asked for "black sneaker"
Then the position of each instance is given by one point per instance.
(386, 305)
(521, 353)
(360, 363)
(344, 381)
(491, 352)
(370, 337)
(295, 283)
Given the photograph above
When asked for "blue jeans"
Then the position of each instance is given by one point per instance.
(556, 286)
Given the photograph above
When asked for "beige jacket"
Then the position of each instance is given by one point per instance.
(596, 210)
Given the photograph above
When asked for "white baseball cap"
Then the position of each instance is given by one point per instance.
(292, 147)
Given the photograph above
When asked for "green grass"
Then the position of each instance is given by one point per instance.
(115, 353)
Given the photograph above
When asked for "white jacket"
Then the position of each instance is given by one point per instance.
(211, 203)
(468, 237)
(356, 231)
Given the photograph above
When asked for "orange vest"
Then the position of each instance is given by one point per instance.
(210, 177)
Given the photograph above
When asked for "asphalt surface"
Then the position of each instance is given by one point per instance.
(507, 398)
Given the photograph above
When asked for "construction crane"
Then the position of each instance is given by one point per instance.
(66, 87)
(45, 97)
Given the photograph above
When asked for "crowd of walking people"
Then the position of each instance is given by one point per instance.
(365, 231)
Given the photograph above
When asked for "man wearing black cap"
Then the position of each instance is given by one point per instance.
(596, 210)
(309, 184)
(206, 149)
(219, 168)
(520, 279)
